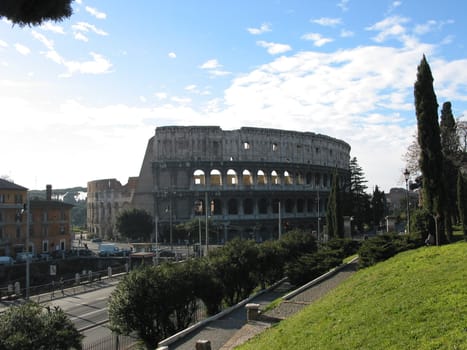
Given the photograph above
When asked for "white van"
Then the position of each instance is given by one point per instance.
(6, 260)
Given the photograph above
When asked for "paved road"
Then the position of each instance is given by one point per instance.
(88, 311)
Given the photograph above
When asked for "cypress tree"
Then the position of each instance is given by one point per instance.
(461, 202)
(431, 157)
(334, 218)
(450, 147)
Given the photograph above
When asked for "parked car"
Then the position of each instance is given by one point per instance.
(165, 253)
(23, 256)
(6, 260)
(96, 240)
(108, 249)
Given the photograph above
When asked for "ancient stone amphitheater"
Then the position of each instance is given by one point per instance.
(250, 182)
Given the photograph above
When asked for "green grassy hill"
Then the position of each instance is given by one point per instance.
(416, 300)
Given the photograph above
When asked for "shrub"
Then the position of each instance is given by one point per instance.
(382, 247)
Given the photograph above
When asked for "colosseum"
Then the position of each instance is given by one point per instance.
(251, 182)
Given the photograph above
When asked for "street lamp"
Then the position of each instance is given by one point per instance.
(406, 176)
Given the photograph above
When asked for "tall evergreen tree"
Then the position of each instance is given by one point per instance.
(359, 203)
(378, 206)
(431, 157)
(334, 219)
(462, 202)
(450, 147)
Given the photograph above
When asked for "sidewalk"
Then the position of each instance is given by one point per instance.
(232, 329)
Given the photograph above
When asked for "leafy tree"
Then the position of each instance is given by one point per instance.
(135, 224)
(462, 202)
(334, 219)
(297, 242)
(154, 302)
(271, 260)
(32, 326)
(34, 12)
(431, 157)
(412, 156)
(235, 265)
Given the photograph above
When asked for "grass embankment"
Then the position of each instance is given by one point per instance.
(415, 300)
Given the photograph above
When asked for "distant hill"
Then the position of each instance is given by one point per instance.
(74, 195)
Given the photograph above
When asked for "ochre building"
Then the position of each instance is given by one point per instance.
(49, 222)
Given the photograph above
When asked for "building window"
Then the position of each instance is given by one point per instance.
(45, 246)
(274, 147)
(246, 145)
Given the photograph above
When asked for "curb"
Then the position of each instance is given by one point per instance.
(318, 279)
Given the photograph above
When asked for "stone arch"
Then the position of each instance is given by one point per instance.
(275, 206)
(263, 206)
(289, 206)
(232, 178)
(215, 177)
(199, 178)
(248, 206)
(216, 207)
(300, 205)
(247, 178)
(275, 180)
(309, 178)
(288, 179)
(261, 178)
(232, 206)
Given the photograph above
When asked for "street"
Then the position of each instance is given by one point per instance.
(88, 311)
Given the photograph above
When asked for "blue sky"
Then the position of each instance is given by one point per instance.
(80, 98)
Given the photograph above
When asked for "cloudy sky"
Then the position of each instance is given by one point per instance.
(80, 98)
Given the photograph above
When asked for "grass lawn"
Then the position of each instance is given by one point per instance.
(415, 300)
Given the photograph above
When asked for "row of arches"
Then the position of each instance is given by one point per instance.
(260, 178)
(259, 206)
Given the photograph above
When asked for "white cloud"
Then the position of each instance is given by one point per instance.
(265, 27)
(318, 39)
(391, 27)
(81, 37)
(274, 48)
(327, 21)
(3, 43)
(427, 27)
(343, 5)
(181, 100)
(211, 64)
(143, 99)
(346, 33)
(51, 27)
(192, 87)
(98, 65)
(86, 27)
(172, 55)
(94, 12)
(161, 95)
(42, 38)
(23, 50)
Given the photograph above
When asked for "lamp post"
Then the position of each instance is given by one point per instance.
(406, 176)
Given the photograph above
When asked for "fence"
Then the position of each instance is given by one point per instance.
(112, 342)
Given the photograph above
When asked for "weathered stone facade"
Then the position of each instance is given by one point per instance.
(244, 176)
(105, 200)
